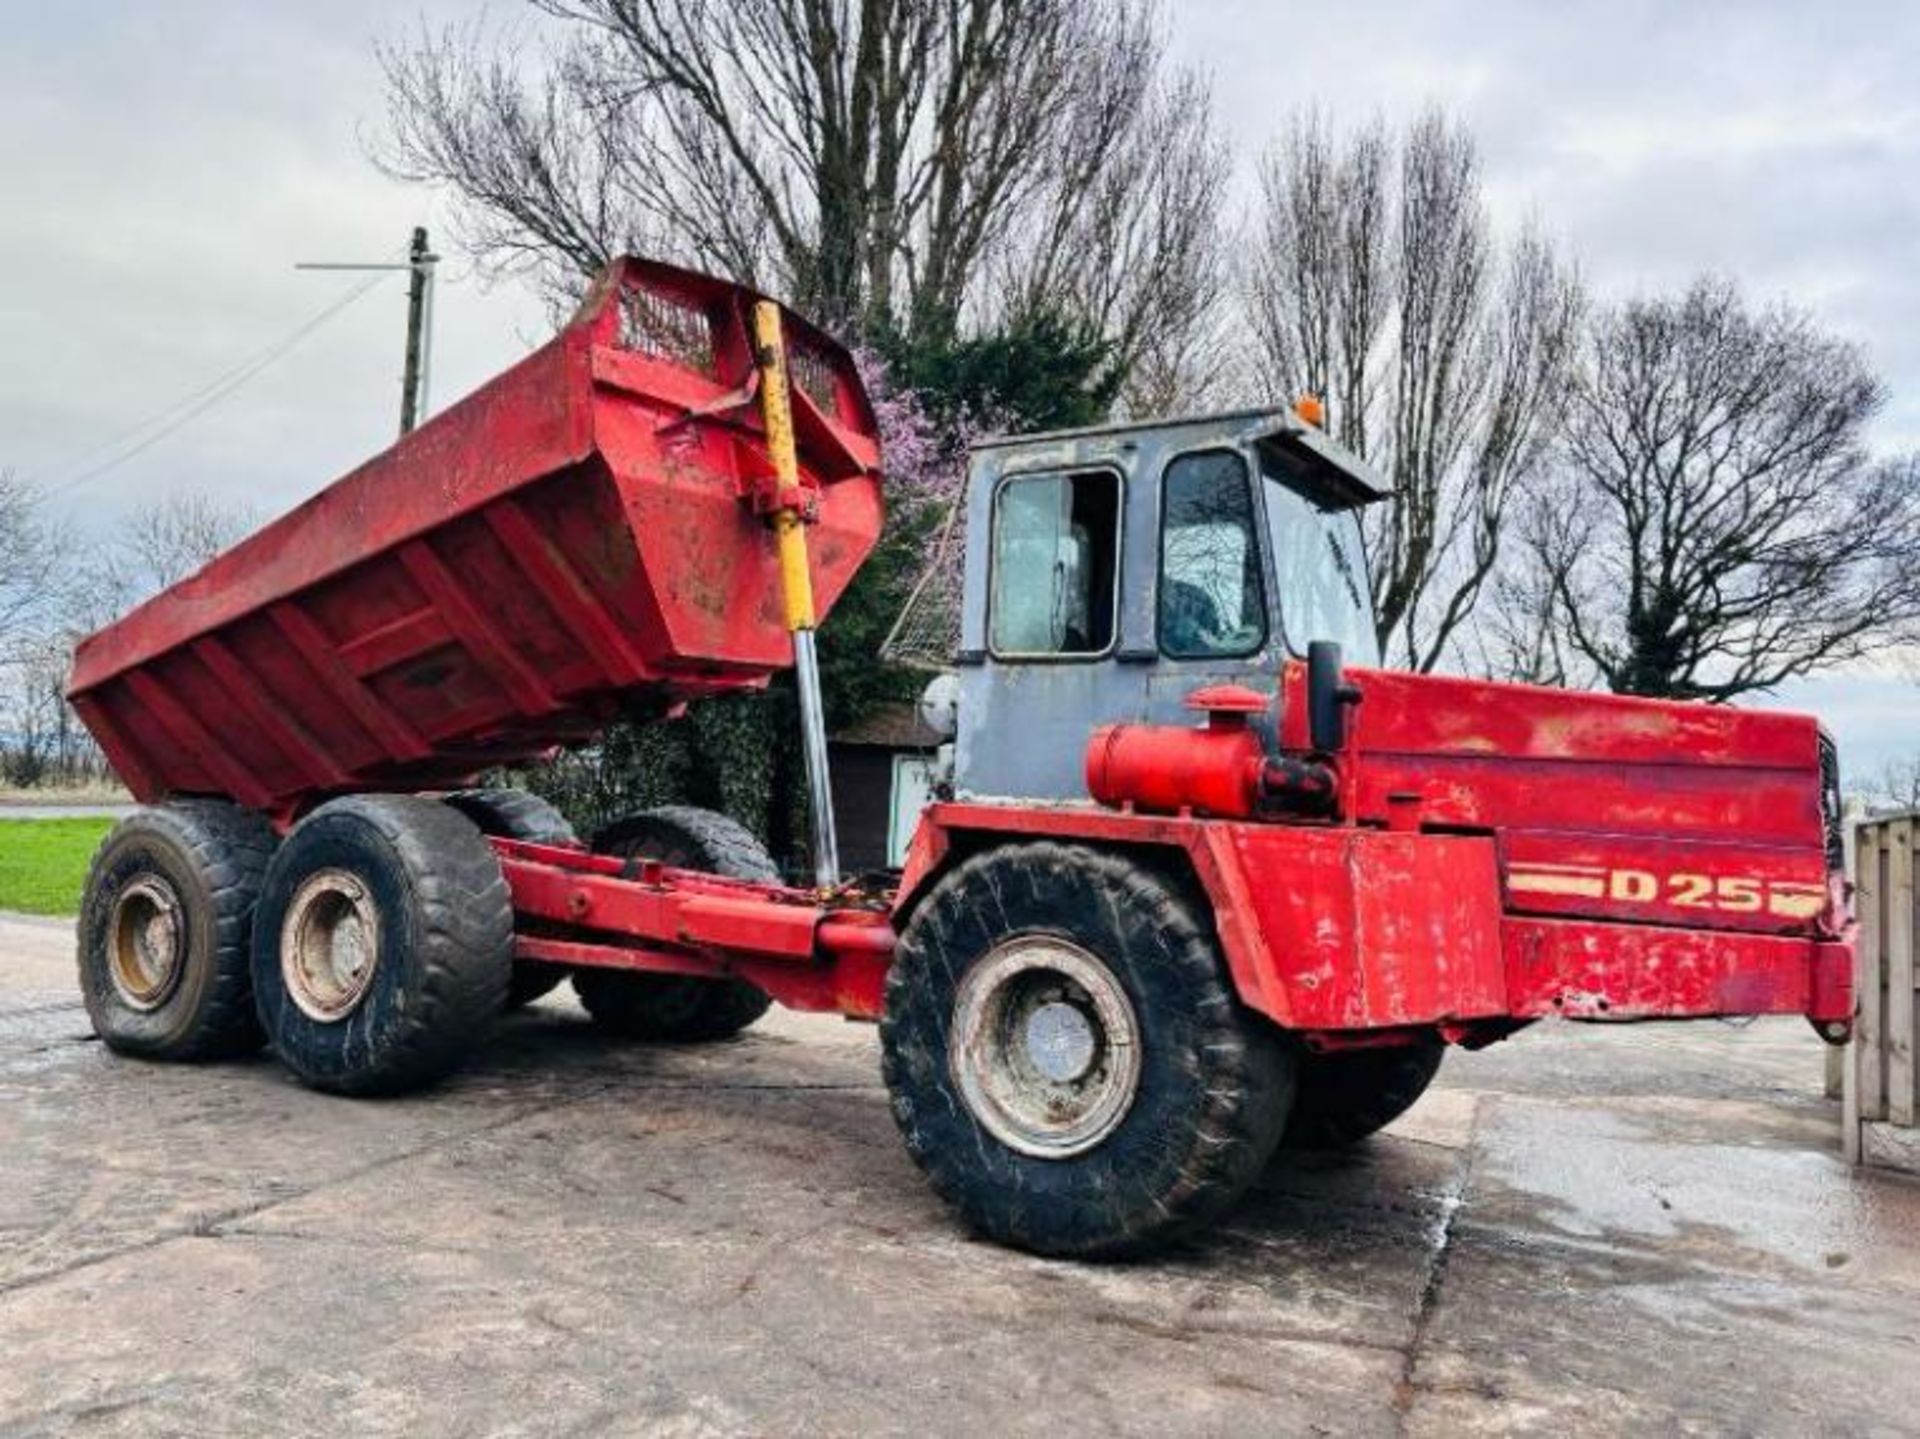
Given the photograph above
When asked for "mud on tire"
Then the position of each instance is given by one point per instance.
(516, 814)
(670, 1007)
(383, 944)
(166, 928)
(1051, 1164)
(1342, 1098)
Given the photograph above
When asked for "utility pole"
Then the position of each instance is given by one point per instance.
(413, 380)
(416, 372)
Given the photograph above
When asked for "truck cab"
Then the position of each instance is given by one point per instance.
(1111, 572)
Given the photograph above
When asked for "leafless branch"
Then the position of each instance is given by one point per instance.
(1737, 534)
(1442, 357)
(33, 555)
(879, 163)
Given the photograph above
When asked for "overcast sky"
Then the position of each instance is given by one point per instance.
(164, 166)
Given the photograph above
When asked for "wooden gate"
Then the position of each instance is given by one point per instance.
(1881, 1095)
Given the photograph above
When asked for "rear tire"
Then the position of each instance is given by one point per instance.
(516, 814)
(677, 1008)
(512, 814)
(383, 944)
(1345, 1096)
(166, 927)
(1067, 1059)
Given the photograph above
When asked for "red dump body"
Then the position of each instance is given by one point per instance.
(577, 539)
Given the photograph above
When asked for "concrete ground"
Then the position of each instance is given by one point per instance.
(1607, 1231)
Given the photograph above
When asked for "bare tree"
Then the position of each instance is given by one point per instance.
(167, 540)
(158, 544)
(1725, 529)
(1894, 788)
(1442, 355)
(877, 163)
(33, 555)
(38, 737)
(1515, 635)
(41, 739)
(1126, 235)
(1318, 291)
(70, 593)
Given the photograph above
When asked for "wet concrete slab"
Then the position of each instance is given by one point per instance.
(1602, 1231)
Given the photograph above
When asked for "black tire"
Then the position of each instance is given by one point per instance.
(1214, 1082)
(512, 814)
(516, 814)
(1341, 1098)
(688, 837)
(186, 877)
(675, 1008)
(419, 881)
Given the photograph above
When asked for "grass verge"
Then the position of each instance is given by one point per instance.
(43, 862)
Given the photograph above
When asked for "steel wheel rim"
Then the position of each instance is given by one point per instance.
(1045, 1047)
(330, 944)
(147, 936)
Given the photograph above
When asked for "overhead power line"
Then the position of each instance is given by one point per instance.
(420, 264)
(158, 426)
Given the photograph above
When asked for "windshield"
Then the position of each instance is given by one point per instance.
(1319, 564)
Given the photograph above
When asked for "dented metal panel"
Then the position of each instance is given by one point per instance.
(1364, 928)
(1605, 806)
(1590, 971)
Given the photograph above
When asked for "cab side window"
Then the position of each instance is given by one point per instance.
(1056, 543)
(1211, 602)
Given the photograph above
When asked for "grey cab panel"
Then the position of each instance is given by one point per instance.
(1111, 572)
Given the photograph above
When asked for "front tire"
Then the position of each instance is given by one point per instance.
(166, 928)
(1067, 1059)
(383, 945)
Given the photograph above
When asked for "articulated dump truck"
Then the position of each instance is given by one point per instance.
(1202, 884)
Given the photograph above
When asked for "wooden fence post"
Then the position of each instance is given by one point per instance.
(1881, 1101)
(1898, 929)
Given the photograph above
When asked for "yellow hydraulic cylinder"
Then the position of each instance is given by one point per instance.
(776, 411)
(796, 581)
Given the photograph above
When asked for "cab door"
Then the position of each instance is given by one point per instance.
(1046, 606)
(1213, 623)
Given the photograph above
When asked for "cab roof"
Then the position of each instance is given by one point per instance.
(1307, 450)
